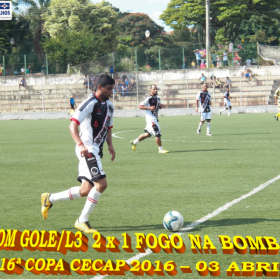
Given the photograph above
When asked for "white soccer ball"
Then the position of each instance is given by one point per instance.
(173, 221)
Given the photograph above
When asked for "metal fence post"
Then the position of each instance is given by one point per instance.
(240, 91)
(137, 92)
(4, 66)
(183, 49)
(187, 88)
(136, 61)
(266, 87)
(159, 61)
(25, 64)
(19, 108)
(162, 85)
(47, 65)
(65, 92)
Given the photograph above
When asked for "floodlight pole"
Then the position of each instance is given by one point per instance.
(208, 43)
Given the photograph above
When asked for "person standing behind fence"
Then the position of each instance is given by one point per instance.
(225, 58)
(43, 70)
(198, 57)
(214, 59)
(112, 72)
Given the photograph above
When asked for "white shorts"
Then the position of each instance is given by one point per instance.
(153, 128)
(205, 116)
(227, 103)
(90, 168)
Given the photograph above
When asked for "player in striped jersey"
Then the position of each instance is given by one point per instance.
(227, 103)
(277, 102)
(151, 104)
(95, 118)
(203, 105)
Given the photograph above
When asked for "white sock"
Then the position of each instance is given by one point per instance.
(136, 141)
(71, 194)
(229, 112)
(160, 148)
(208, 127)
(91, 202)
(223, 110)
(200, 125)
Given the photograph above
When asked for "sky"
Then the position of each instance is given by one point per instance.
(151, 7)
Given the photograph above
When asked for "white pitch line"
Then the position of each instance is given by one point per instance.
(202, 220)
(194, 141)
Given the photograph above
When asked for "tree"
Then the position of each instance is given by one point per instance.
(72, 47)
(97, 20)
(227, 15)
(33, 15)
(133, 27)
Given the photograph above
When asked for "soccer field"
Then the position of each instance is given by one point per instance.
(198, 177)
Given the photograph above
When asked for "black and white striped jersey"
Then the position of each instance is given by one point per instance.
(95, 118)
(150, 101)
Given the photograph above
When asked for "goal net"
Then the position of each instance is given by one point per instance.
(269, 53)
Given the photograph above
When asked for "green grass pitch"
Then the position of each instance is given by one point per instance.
(199, 175)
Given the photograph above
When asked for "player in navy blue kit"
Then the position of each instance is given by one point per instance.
(203, 103)
(95, 118)
(151, 104)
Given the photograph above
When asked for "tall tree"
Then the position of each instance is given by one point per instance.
(99, 20)
(227, 15)
(33, 14)
(133, 27)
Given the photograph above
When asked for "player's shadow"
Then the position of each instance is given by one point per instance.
(224, 223)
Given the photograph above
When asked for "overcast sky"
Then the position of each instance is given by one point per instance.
(151, 7)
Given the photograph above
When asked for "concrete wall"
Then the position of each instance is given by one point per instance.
(141, 113)
(158, 76)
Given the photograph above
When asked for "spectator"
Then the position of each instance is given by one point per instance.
(133, 84)
(43, 70)
(27, 71)
(8, 71)
(198, 57)
(127, 83)
(1, 70)
(202, 79)
(124, 89)
(30, 69)
(85, 82)
(247, 73)
(22, 70)
(248, 62)
(185, 63)
(193, 65)
(254, 61)
(218, 83)
(112, 71)
(214, 59)
(72, 102)
(22, 83)
(212, 78)
(227, 84)
(225, 58)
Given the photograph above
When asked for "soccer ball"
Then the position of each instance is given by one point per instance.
(173, 221)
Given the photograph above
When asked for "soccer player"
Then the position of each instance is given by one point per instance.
(95, 118)
(151, 104)
(277, 102)
(227, 103)
(203, 102)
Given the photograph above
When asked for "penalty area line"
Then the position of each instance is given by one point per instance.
(205, 218)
